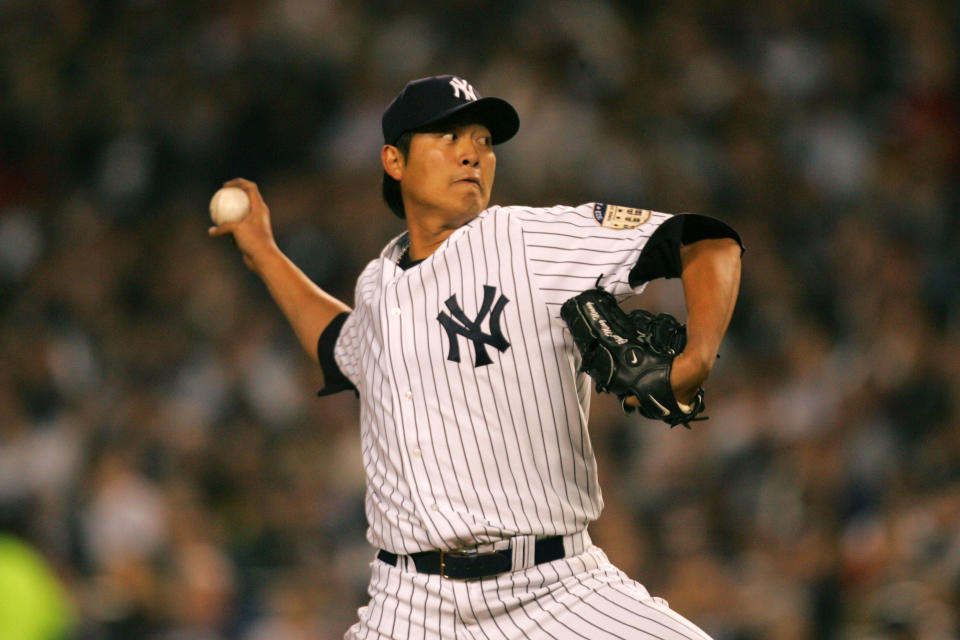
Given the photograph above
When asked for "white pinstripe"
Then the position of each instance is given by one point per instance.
(458, 455)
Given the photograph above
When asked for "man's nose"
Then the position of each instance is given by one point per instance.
(468, 153)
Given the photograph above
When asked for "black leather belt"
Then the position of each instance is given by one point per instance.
(468, 565)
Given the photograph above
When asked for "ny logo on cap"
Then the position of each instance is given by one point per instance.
(459, 84)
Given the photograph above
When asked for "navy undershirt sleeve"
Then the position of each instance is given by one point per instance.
(660, 257)
(334, 380)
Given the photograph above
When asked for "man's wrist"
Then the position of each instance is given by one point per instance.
(261, 254)
(687, 375)
(695, 365)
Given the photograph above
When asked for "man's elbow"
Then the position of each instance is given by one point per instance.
(726, 251)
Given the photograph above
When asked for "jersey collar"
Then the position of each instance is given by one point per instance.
(398, 246)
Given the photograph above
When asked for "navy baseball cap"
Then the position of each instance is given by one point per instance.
(429, 100)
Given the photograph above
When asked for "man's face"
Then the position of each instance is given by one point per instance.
(449, 171)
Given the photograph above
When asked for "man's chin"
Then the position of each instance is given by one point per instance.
(474, 204)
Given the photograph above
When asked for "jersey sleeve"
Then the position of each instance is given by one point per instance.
(660, 256)
(571, 249)
(333, 377)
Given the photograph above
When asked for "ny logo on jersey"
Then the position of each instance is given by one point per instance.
(459, 84)
(461, 325)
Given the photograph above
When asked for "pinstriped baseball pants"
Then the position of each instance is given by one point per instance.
(581, 596)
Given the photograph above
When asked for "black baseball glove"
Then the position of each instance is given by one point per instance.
(630, 354)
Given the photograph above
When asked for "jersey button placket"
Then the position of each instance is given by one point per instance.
(406, 399)
(416, 451)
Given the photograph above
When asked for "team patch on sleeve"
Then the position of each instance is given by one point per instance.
(614, 216)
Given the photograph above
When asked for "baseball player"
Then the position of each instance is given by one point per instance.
(481, 479)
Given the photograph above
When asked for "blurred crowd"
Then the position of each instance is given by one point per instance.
(161, 444)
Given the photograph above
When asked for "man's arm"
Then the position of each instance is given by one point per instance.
(711, 282)
(307, 307)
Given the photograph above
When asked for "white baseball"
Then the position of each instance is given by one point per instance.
(229, 204)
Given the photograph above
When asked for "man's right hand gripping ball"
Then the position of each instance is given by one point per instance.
(630, 355)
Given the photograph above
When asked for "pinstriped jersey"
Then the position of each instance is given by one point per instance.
(473, 414)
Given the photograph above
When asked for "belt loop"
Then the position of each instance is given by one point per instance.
(576, 543)
(523, 551)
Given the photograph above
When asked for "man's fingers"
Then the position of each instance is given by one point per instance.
(248, 187)
(238, 182)
(222, 230)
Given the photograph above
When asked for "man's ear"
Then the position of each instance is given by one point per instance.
(393, 161)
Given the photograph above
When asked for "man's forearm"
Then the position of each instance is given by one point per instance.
(307, 307)
(711, 282)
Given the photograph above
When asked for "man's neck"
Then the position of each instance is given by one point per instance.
(429, 232)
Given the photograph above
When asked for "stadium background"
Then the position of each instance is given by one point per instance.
(160, 443)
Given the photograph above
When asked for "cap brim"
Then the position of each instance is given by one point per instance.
(495, 114)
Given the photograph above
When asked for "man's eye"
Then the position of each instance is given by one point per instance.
(449, 136)
(486, 141)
